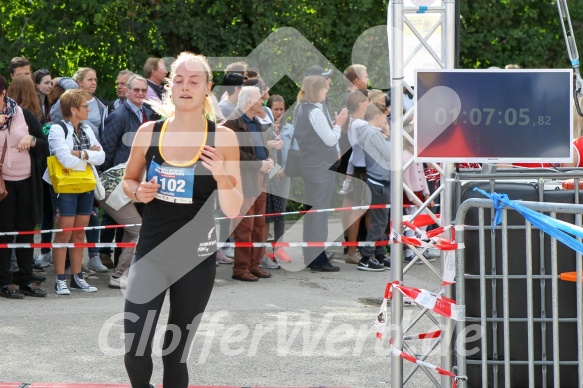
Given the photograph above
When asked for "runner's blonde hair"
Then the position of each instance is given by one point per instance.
(166, 107)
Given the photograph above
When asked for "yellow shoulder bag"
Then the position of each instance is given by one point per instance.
(69, 181)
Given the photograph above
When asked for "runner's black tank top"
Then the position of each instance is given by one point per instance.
(160, 218)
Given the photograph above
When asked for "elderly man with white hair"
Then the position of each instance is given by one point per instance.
(255, 164)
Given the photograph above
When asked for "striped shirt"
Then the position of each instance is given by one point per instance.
(323, 127)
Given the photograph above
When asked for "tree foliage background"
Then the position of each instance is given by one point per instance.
(110, 35)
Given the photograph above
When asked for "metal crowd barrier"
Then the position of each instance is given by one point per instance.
(524, 320)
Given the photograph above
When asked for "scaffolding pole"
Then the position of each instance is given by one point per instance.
(447, 196)
(395, 29)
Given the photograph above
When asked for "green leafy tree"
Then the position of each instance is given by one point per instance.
(110, 35)
(523, 32)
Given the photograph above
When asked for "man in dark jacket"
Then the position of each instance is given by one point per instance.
(255, 164)
(122, 124)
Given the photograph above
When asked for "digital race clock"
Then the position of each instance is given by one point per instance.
(493, 115)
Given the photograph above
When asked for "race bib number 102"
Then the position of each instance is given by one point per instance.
(176, 183)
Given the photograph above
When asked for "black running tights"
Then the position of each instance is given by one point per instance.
(188, 299)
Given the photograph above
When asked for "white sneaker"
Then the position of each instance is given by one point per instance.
(78, 283)
(61, 287)
(229, 252)
(46, 258)
(120, 282)
(267, 263)
(432, 252)
(96, 265)
(38, 263)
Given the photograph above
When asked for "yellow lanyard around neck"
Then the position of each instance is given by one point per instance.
(196, 157)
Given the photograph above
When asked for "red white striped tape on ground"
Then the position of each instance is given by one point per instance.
(437, 303)
(405, 356)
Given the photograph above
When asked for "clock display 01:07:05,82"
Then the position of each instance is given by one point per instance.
(489, 116)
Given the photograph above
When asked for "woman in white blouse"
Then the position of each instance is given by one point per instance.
(74, 146)
(317, 139)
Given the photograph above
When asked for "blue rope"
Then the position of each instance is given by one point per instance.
(498, 201)
(551, 226)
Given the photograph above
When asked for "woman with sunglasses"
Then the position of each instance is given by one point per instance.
(75, 146)
(44, 84)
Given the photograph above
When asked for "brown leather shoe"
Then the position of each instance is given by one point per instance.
(246, 277)
(261, 273)
(106, 260)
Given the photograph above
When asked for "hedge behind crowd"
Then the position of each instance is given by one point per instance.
(110, 35)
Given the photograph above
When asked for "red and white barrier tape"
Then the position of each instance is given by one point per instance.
(274, 244)
(450, 266)
(449, 269)
(405, 356)
(419, 221)
(68, 245)
(433, 175)
(380, 324)
(425, 235)
(437, 303)
(436, 242)
(219, 245)
(381, 319)
(420, 336)
(67, 229)
(330, 210)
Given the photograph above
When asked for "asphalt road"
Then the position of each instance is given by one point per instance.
(296, 329)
